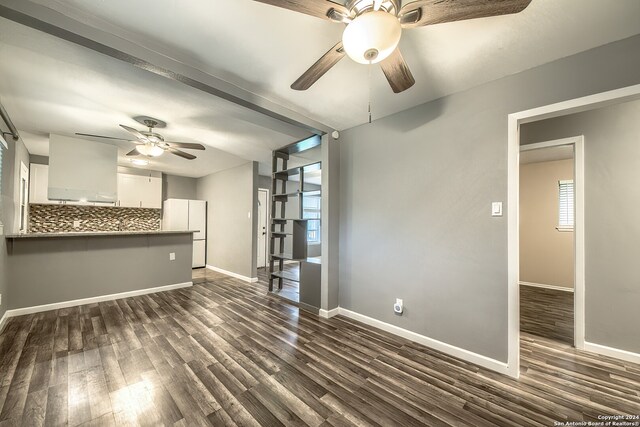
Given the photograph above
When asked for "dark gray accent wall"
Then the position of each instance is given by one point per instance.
(52, 270)
(416, 191)
(178, 187)
(232, 197)
(612, 209)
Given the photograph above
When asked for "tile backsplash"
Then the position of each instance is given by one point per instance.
(61, 218)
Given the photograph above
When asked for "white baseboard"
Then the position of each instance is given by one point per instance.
(3, 321)
(232, 274)
(327, 314)
(469, 356)
(541, 285)
(93, 300)
(612, 352)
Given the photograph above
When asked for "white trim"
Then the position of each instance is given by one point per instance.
(513, 162)
(541, 285)
(469, 356)
(328, 314)
(93, 300)
(232, 274)
(267, 230)
(612, 352)
(3, 321)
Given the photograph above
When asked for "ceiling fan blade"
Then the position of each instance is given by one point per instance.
(397, 72)
(189, 145)
(133, 152)
(428, 12)
(324, 9)
(136, 133)
(318, 69)
(181, 153)
(100, 136)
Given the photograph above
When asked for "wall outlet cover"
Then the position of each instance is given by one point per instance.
(172, 256)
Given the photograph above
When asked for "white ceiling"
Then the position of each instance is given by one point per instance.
(263, 49)
(52, 86)
(548, 154)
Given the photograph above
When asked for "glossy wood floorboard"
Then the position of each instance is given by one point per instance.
(224, 352)
(547, 313)
(290, 289)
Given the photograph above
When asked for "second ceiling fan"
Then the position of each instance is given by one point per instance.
(374, 27)
(150, 143)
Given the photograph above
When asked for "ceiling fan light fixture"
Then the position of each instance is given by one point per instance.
(140, 162)
(150, 150)
(372, 37)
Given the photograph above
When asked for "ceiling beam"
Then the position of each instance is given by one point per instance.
(49, 21)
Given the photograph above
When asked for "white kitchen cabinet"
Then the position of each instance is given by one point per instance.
(152, 194)
(135, 191)
(39, 184)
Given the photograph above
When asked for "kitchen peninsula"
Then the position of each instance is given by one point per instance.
(58, 269)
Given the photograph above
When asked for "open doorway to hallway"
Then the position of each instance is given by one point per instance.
(547, 255)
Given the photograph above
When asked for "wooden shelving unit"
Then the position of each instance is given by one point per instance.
(283, 227)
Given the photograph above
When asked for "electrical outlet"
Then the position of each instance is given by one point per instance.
(172, 256)
(76, 224)
(398, 307)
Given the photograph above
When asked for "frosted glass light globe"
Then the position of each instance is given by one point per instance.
(371, 37)
(150, 150)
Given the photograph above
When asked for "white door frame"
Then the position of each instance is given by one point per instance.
(578, 228)
(266, 225)
(23, 194)
(513, 169)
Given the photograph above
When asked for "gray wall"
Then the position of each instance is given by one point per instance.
(416, 190)
(231, 234)
(612, 209)
(10, 197)
(50, 270)
(178, 187)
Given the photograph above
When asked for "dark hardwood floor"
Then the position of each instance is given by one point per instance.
(290, 289)
(224, 352)
(547, 313)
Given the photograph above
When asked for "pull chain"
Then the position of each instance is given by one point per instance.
(370, 64)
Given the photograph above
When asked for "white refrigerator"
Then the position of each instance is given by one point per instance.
(183, 214)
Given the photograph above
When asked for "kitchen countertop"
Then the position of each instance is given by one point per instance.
(96, 234)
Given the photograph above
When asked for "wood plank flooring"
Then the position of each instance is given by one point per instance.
(225, 352)
(547, 313)
(290, 290)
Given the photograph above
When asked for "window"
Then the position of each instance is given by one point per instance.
(565, 205)
(311, 209)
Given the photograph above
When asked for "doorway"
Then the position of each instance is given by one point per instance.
(547, 243)
(263, 218)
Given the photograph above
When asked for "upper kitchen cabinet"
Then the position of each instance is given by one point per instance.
(136, 191)
(39, 184)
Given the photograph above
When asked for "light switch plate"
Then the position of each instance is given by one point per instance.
(496, 209)
(172, 256)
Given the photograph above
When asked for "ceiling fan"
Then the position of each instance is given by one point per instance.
(150, 143)
(374, 28)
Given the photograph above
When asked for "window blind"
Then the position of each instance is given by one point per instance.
(565, 203)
